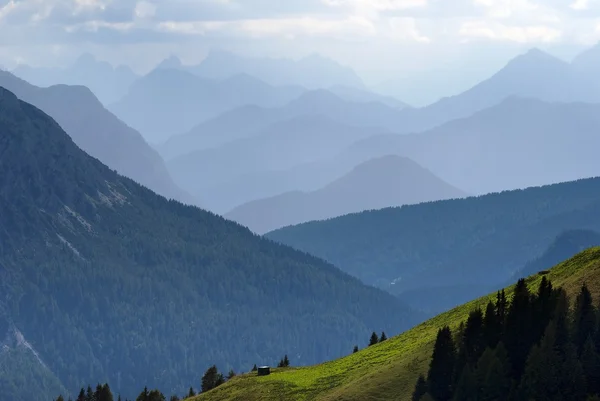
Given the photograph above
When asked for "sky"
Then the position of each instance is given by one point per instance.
(383, 40)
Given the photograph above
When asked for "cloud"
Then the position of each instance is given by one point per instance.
(282, 27)
(331, 26)
(500, 32)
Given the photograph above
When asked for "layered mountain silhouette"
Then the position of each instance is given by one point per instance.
(108, 83)
(247, 121)
(170, 101)
(376, 184)
(359, 95)
(516, 144)
(99, 133)
(281, 146)
(565, 246)
(312, 72)
(534, 74)
(441, 246)
(122, 284)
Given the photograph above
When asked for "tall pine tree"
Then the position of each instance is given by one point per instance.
(441, 368)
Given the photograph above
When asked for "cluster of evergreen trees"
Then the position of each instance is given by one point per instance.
(375, 339)
(533, 348)
(211, 379)
(103, 393)
(284, 362)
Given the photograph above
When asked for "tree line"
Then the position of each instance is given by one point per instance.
(211, 379)
(535, 347)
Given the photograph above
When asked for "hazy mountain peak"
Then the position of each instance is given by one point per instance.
(171, 62)
(535, 58)
(382, 182)
(86, 58)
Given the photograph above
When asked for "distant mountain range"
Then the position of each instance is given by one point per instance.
(104, 280)
(247, 121)
(281, 146)
(534, 74)
(376, 184)
(169, 101)
(108, 83)
(311, 72)
(98, 132)
(516, 144)
(478, 241)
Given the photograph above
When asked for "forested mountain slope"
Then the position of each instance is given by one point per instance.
(108, 282)
(389, 370)
(99, 133)
(478, 241)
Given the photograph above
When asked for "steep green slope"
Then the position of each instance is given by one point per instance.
(389, 370)
(109, 282)
(478, 241)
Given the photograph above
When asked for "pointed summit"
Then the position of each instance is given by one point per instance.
(172, 62)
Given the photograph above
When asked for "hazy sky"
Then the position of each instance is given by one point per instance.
(381, 39)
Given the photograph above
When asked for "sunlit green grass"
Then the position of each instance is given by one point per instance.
(388, 371)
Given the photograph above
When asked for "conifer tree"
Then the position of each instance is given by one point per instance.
(518, 335)
(501, 307)
(231, 374)
(383, 337)
(441, 368)
(493, 374)
(473, 340)
(286, 361)
(81, 396)
(590, 361)
(420, 389)
(212, 379)
(584, 318)
(491, 326)
(466, 388)
(144, 395)
(560, 324)
(355, 350)
(89, 394)
(254, 368)
(174, 398)
(540, 379)
(60, 398)
(374, 339)
(104, 393)
(191, 393)
(156, 395)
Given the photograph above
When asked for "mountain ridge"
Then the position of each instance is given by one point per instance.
(370, 185)
(111, 140)
(113, 268)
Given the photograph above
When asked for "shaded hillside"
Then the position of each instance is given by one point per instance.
(378, 183)
(108, 83)
(248, 121)
(479, 241)
(168, 101)
(120, 285)
(99, 133)
(566, 245)
(389, 370)
(281, 146)
(516, 144)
